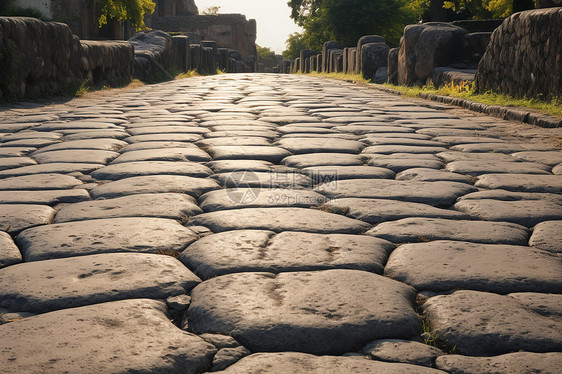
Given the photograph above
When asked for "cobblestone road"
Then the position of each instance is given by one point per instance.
(199, 224)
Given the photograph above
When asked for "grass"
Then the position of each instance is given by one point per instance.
(353, 78)
(86, 90)
(467, 91)
(187, 74)
(433, 339)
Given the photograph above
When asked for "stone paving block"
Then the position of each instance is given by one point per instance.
(145, 168)
(316, 145)
(163, 138)
(523, 212)
(480, 323)
(393, 148)
(250, 152)
(504, 195)
(226, 166)
(450, 156)
(116, 337)
(380, 210)
(548, 305)
(243, 133)
(522, 182)
(322, 159)
(46, 197)
(394, 136)
(285, 119)
(228, 356)
(154, 184)
(404, 351)
(302, 363)
(510, 363)
(548, 236)
(363, 129)
(279, 219)
(444, 131)
(99, 144)
(17, 217)
(325, 174)
(402, 141)
(15, 162)
(544, 157)
(441, 194)
(431, 175)
(165, 154)
(39, 182)
(113, 235)
(557, 170)
(76, 125)
(415, 229)
(184, 129)
(218, 120)
(456, 140)
(76, 156)
(30, 134)
(262, 250)
(9, 252)
(236, 140)
(156, 145)
(321, 312)
(276, 178)
(16, 151)
(56, 168)
(444, 265)
(488, 147)
(311, 130)
(399, 164)
(491, 167)
(165, 205)
(241, 128)
(44, 286)
(235, 198)
(96, 134)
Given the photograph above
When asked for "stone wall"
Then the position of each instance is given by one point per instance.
(524, 57)
(107, 62)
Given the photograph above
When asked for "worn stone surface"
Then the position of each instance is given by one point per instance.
(144, 168)
(39, 182)
(548, 305)
(46, 197)
(262, 250)
(302, 363)
(164, 205)
(121, 336)
(522, 182)
(548, 236)
(414, 229)
(17, 217)
(279, 219)
(510, 363)
(44, 286)
(150, 235)
(228, 356)
(294, 311)
(447, 265)
(405, 351)
(9, 252)
(483, 323)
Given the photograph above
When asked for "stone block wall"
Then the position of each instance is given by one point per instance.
(107, 62)
(524, 57)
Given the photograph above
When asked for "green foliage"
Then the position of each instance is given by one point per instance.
(294, 44)
(348, 20)
(211, 11)
(488, 9)
(264, 52)
(7, 8)
(126, 10)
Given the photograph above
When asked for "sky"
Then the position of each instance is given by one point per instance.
(272, 16)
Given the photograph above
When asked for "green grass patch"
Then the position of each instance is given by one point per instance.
(467, 91)
(187, 74)
(352, 78)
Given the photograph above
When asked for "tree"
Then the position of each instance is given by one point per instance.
(126, 10)
(264, 52)
(294, 44)
(7, 8)
(488, 9)
(211, 11)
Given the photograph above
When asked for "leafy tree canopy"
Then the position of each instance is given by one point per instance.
(264, 52)
(126, 10)
(488, 9)
(211, 11)
(8, 8)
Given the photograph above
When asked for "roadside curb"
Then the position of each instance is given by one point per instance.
(507, 113)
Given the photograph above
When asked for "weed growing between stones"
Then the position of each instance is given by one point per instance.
(169, 253)
(432, 338)
(187, 74)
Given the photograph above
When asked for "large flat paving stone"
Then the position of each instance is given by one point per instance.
(544, 157)
(417, 229)
(154, 184)
(99, 144)
(236, 198)
(39, 182)
(165, 205)
(522, 182)
(451, 156)
(480, 323)
(262, 250)
(489, 147)
(96, 134)
(492, 167)
(164, 154)
(248, 152)
(322, 159)
(46, 197)
(381, 210)
(523, 212)
(325, 174)
(44, 286)
(445, 265)
(431, 175)
(117, 337)
(238, 140)
(15, 162)
(76, 156)
(142, 129)
(279, 219)
(17, 217)
(321, 312)
(163, 138)
(9, 252)
(404, 351)
(303, 363)
(147, 235)
(433, 193)
(404, 162)
(316, 145)
(545, 304)
(547, 236)
(274, 178)
(55, 167)
(226, 166)
(504, 195)
(157, 145)
(144, 168)
(396, 148)
(510, 363)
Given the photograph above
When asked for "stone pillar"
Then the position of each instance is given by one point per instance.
(364, 40)
(373, 57)
(352, 61)
(393, 65)
(180, 45)
(305, 54)
(326, 54)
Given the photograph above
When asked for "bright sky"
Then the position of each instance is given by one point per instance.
(272, 16)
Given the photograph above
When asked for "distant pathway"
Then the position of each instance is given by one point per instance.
(188, 226)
